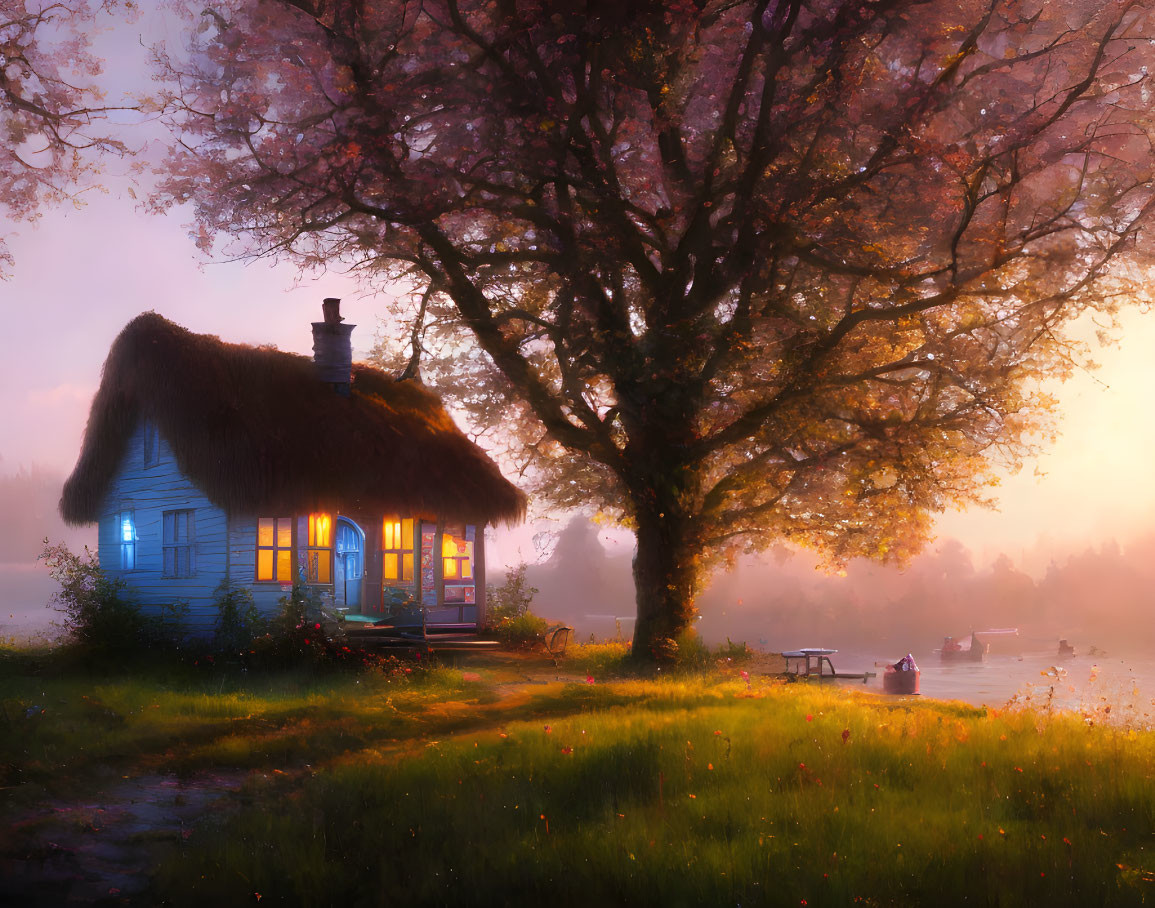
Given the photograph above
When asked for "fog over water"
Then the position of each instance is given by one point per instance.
(1100, 597)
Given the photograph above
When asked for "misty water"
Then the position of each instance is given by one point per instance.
(1080, 682)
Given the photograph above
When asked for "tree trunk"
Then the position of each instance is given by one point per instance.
(665, 578)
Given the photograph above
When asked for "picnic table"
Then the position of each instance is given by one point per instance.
(808, 662)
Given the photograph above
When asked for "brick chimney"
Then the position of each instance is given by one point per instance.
(333, 348)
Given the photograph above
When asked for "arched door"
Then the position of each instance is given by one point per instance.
(350, 566)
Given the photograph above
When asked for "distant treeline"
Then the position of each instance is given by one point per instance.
(28, 502)
(1104, 597)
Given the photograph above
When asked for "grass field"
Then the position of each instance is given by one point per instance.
(472, 785)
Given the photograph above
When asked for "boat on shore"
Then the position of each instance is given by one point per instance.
(901, 677)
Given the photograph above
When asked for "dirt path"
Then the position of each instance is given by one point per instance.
(98, 850)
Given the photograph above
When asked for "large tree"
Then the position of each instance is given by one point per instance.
(757, 269)
(51, 110)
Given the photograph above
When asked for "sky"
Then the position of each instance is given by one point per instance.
(81, 274)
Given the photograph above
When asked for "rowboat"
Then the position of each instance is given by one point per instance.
(953, 651)
(901, 677)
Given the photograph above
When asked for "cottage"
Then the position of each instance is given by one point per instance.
(205, 461)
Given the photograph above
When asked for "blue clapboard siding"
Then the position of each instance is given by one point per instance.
(149, 491)
(223, 547)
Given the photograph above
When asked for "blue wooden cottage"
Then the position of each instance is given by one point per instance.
(205, 461)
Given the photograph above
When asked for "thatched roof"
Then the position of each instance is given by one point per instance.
(258, 433)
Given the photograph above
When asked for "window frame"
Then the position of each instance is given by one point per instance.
(127, 547)
(174, 546)
(310, 548)
(458, 581)
(276, 548)
(404, 555)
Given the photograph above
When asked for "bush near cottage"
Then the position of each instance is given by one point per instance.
(520, 631)
(303, 633)
(239, 622)
(100, 616)
(512, 598)
(510, 619)
(103, 621)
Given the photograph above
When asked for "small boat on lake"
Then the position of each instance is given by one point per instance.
(953, 651)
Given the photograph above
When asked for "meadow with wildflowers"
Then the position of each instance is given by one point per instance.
(485, 785)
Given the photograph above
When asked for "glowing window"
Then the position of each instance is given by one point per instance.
(397, 550)
(275, 549)
(319, 551)
(456, 557)
(126, 532)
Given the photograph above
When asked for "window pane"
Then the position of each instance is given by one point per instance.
(324, 567)
(127, 527)
(167, 524)
(128, 556)
(389, 567)
(466, 568)
(265, 564)
(407, 566)
(284, 532)
(320, 526)
(450, 571)
(265, 531)
(284, 565)
(407, 534)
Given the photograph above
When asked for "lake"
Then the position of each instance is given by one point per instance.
(1075, 682)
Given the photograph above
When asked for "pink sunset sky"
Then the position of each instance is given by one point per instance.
(82, 273)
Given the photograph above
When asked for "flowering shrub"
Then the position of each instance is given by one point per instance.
(303, 632)
(513, 598)
(99, 615)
